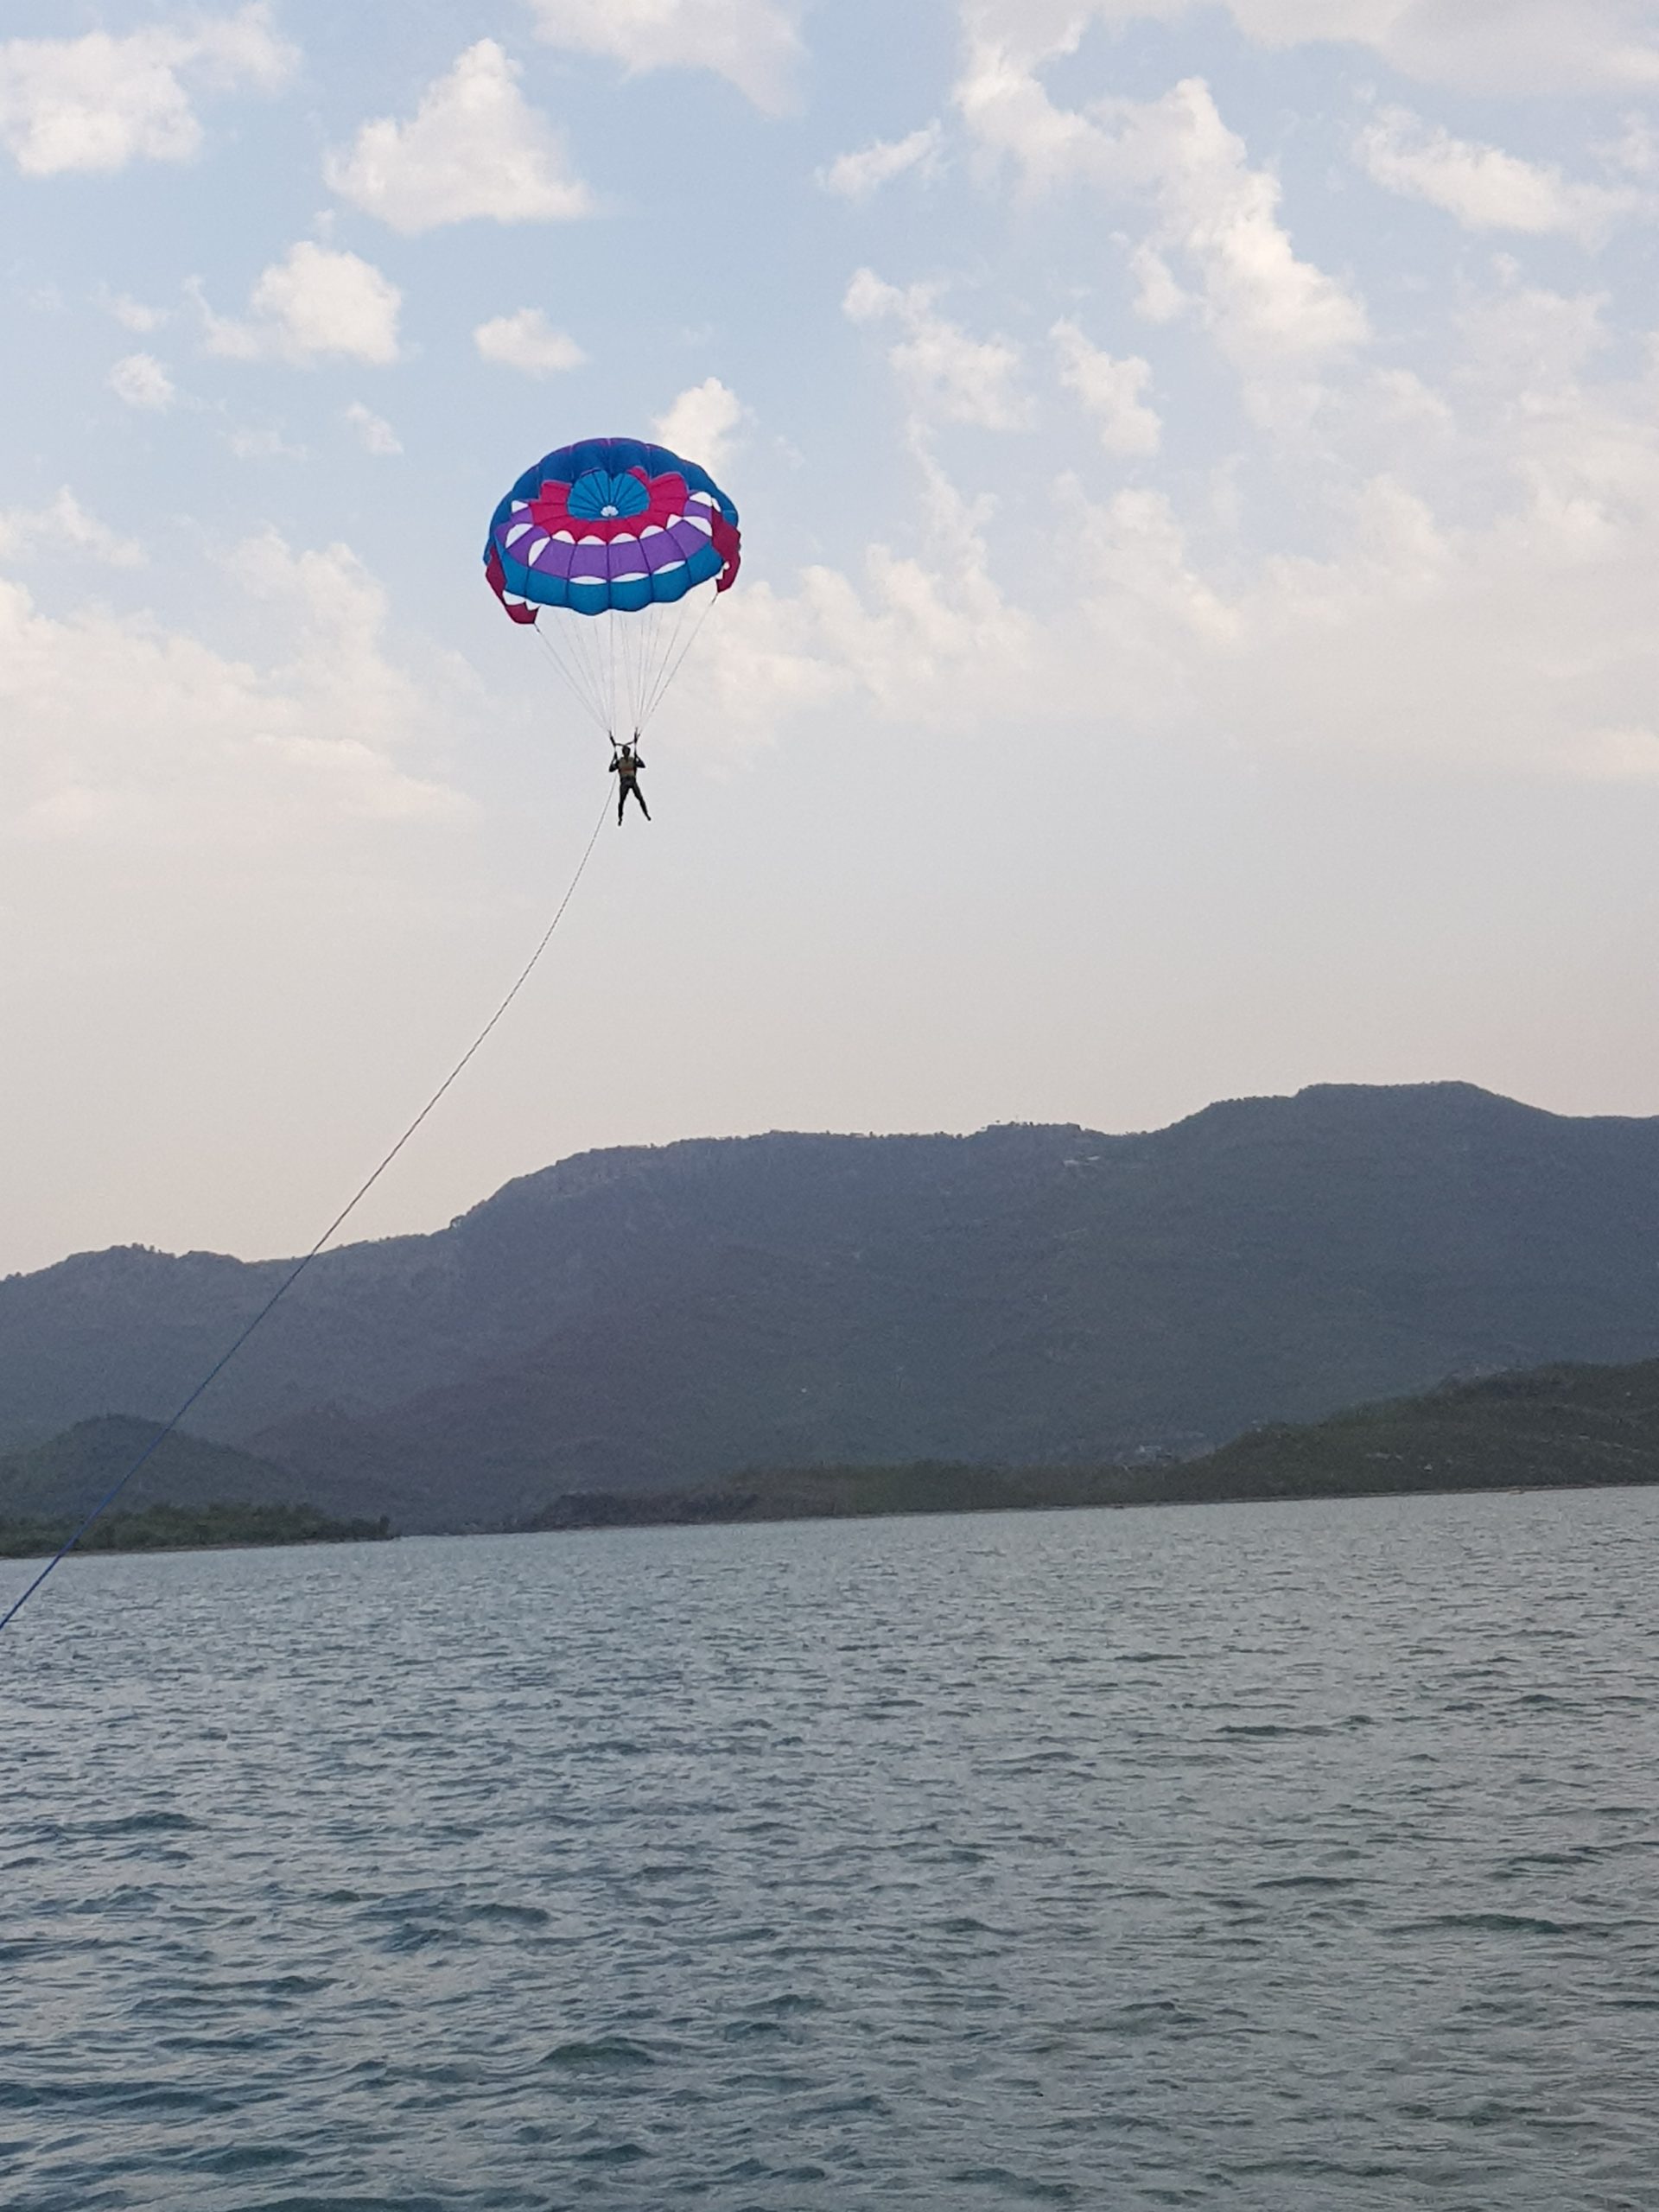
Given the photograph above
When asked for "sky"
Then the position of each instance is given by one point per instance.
(1199, 476)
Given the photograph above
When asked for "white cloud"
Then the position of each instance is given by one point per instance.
(264, 443)
(314, 301)
(1267, 309)
(1531, 45)
(1636, 150)
(1523, 646)
(860, 175)
(924, 640)
(949, 376)
(1502, 45)
(701, 424)
(1158, 296)
(475, 148)
(1518, 643)
(1264, 305)
(1110, 390)
(755, 44)
(527, 341)
(139, 380)
(92, 105)
(1523, 345)
(1460, 580)
(375, 434)
(120, 727)
(134, 315)
(63, 525)
(1483, 188)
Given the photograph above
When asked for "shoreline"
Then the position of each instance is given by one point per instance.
(642, 1523)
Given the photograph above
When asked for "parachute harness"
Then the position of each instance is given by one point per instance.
(334, 1226)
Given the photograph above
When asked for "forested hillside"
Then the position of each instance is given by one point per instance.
(648, 1318)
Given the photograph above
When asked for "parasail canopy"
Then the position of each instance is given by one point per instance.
(619, 542)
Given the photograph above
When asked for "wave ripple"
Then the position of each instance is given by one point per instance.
(1274, 1857)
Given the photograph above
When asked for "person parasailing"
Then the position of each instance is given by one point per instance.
(612, 552)
(625, 768)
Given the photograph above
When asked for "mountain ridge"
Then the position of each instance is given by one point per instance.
(654, 1316)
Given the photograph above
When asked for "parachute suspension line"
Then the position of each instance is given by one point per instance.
(622, 649)
(660, 620)
(672, 668)
(574, 637)
(651, 634)
(589, 643)
(622, 646)
(622, 664)
(640, 635)
(575, 674)
(337, 1223)
(664, 635)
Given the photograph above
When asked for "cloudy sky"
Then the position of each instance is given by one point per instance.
(1198, 633)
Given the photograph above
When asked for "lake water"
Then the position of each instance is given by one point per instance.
(1280, 1858)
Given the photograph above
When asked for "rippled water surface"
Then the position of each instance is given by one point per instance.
(1282, 1859)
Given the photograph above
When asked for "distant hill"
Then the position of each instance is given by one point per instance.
(190, 1528)
(1563, 1427)
(1556, 1427)
(66, 1477)
(188, 1494)
(660, 1317)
